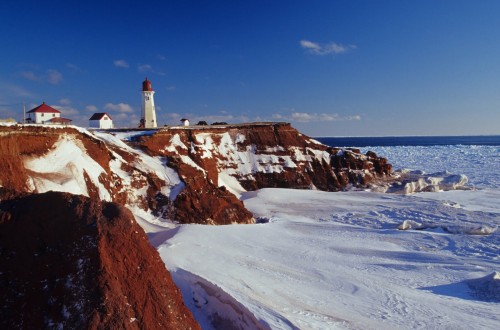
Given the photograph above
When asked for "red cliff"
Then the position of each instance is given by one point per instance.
(70, 261)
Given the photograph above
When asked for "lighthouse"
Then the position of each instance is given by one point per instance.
(148, 118)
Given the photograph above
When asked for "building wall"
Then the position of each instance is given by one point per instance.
(103, 123)
(42, 117)
(148, 105)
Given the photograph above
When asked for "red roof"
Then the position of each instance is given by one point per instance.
(146, 86)
(44, 108)
(99, 116)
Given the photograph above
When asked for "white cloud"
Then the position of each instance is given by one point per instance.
(312, 46)
(171, 88)
(65, 101)
(125, 120)
(173, 115)
(305, 117)
(67, 110)
(91, 108)
(121, 64)
(145, 68)
(54, 77)
(325, 49)
(120, 107)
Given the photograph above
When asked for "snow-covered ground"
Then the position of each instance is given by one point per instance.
(337, 261)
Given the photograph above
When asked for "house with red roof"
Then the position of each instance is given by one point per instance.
(44, 114)
(101, 120)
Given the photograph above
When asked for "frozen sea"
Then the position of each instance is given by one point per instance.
(337, 260)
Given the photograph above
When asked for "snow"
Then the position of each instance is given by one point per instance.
(418, 181)
(62, 168)
(143, 163)
(479, 163)
(338, 261)
(320, 260)
(175, 141)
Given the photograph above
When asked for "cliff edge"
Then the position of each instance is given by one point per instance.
(184, 174)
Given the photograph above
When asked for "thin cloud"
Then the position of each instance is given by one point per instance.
(67, 110)
(51, 76)
(145, 68)
(73, 67)
(65, 101)
(30, 75)
(173, 115)
(325, 49)
(121, 64)
(91, 108)
(120, 107)
(54, 77)
(12, 90)
(306, 117)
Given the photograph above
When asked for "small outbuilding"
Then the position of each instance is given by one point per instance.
(101, 120)
(185, 121)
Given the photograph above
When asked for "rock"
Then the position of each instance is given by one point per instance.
(265, 155)
(70, 261)
(245, 156)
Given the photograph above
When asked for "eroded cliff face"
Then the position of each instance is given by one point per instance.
(85, 261)
(249, 157)
(185, 174)
(72, 261)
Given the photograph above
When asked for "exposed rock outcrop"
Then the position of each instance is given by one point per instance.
(265, 155)
(185, 174)
(86, 263)
(71, 261)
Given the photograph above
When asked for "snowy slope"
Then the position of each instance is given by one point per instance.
(62, 169)
(337, 261)
(322, 260)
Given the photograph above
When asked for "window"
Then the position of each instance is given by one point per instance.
(54, 115)
(42, 114)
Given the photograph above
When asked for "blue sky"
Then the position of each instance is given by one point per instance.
(331, 68)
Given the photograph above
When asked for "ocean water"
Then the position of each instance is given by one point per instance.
(478, 157)
(387, 141)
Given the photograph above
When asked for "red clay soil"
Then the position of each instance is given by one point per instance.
(202, 200)
(18, 143)
(69, 261)
(280, 138)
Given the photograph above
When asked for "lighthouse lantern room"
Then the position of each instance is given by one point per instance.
(148, 118)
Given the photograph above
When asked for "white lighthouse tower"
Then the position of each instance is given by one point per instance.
(148, 119)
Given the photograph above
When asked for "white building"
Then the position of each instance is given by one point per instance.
(44, 114)
(148, 118)
(185, 121)
(101, 120)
